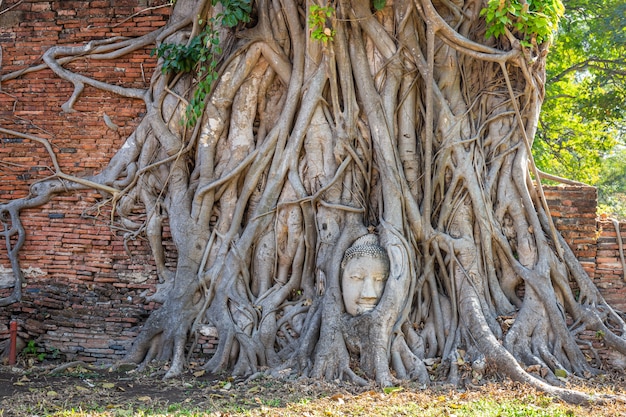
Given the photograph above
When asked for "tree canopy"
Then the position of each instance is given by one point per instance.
(583, 119)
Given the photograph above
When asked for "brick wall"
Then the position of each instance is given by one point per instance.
(609, 273)
(83, 288)
(84, 285)
(594, 241)
(573, 209)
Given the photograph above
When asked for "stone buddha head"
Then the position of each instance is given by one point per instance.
(364, 271)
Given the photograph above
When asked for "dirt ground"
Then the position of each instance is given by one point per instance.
(36, 391)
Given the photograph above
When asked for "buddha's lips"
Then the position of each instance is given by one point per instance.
(367, 306)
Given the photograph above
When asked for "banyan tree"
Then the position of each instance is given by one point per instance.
(350, 191)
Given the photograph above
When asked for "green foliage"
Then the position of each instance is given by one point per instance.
(379, 4)
(317, 22)
(235, 11)
(533, 20)
(177, 57)
(31, 350)
(525, 407)
(206, 70)
(612, 185)
(583, 119)
(569, 144)
(201, 54)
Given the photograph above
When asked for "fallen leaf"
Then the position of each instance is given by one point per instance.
(21, 382)
(144, 399)
(198, 374)
(227, 386)
(255, 389)
(534, 368)
(52, 394)
(81, 388)
(560, 373)
(127, 367)
(391, 390)
(108, 385)
(338, 398)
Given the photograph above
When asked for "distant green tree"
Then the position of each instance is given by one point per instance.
(612, 185)
(583, 116)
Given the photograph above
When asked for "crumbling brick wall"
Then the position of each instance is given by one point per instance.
(82, 293)
(594, 241)
(609, 272)
(84, 280)
(573, 210)
(84, 285)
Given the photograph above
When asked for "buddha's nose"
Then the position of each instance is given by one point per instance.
(368, 291)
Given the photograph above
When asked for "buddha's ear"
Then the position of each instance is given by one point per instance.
(397, 261)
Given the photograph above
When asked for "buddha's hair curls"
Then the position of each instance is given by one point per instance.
(366, 245)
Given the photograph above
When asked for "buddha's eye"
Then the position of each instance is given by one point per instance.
(357, 277)
(380, 278)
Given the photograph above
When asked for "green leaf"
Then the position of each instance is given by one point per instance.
(379, 4)
(391, 390)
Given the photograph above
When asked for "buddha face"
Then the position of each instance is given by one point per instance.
(362, 283)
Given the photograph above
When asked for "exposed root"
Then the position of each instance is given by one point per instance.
(75, 364)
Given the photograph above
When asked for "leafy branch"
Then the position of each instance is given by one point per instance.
(317, 23)
(534, 20)
(201, 54)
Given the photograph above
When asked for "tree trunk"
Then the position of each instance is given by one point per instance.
(406, 123)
